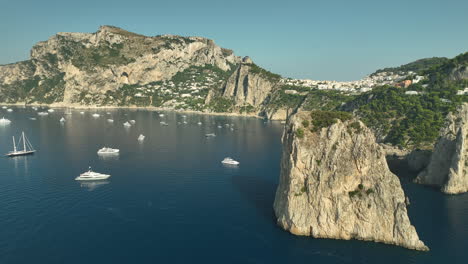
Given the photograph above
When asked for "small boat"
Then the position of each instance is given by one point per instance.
(32, 118)
(164, 123)
(91, 176)
(34, 108)
(127, 124)
(210, 135)
(4, 121)
(185, 122)
(43, 113)
(51, 110)
(141, 137)
(27, 147)
(62, 120)
(106, 151)
(82, 113)
(96, 115)
(132, 122)
(161, 115)
(184, 116)
(110, 120)
(199, 123)
(108, 113)
(9, 110)
(4, 107)
(220, 126)
(230, 161)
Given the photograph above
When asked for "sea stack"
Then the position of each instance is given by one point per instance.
(335, 183)
(447, 168)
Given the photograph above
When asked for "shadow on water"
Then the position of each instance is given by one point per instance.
(259, 192)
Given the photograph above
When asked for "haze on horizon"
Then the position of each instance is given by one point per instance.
(321, 40)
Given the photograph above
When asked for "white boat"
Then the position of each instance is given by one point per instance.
(43, 113)
(230, 161)
(184, 116)
(108, 113)
(34, 108)
(4, 107)
(210, 135)
(185, 122)
(51, 110)
(32, 118)
(127, 124)
(91, 176)
(220, 126)
(164, 123)
(27, 147)
(106, 151)
(110, 120)
(199, 123)
(62, 120)
(96, 115)
(82, 113)
(9, 110)
(132, 122)
(4, 121)
(161, 115)
(141, 137)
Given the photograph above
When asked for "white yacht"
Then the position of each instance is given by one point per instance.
(96, 115)
(4, 121)
(105, 151)
(62, 120)
(43, 113)
(230, 161)
(91, 176)
(82, 113)
(210, 135)
(27, 147)
(110, 120)
(161, 115)
(9, 110)
(4, 107)
(51, 110)
(127, 124)
(164, 123)
(199, 123)
(141, 137)
(132, 122)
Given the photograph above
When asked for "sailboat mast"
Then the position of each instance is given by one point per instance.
(14, 144)
(24, 143)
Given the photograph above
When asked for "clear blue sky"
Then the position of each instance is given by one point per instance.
(329, 39)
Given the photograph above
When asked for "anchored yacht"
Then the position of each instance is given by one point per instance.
(4, 121)
(91, 176)
(230, 161)
(27, 147)
(105, 151)
(141, 137)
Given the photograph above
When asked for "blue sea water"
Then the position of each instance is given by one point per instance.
(170, 200)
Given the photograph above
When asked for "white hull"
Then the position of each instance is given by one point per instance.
(20, 153)
(94, 178)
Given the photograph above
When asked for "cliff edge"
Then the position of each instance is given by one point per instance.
(447, 168)
(335, 183)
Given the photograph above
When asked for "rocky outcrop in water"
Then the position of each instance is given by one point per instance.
(448, 167)
(335, 183)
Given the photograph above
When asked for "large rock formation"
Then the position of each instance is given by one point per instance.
(335, 183)
(449, 161)
(250, 85)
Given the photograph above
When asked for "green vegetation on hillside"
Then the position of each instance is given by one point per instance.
(416, 66)
(321, 119)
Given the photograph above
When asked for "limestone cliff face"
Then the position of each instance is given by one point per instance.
(335, 183)
(69, 66)
(249, 85)
(448, 166)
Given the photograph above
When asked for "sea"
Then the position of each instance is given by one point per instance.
(170, 199)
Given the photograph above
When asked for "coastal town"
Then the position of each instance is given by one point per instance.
(400, 79)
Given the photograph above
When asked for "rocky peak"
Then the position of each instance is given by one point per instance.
(448, 166)
(335, 183)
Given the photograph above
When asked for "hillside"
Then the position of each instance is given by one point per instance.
(114, 67)
(415, 66)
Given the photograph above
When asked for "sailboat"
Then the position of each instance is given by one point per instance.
(27, 147)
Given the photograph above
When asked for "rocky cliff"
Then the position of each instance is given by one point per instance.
(335, 183)
(448, 166)
(114, 67)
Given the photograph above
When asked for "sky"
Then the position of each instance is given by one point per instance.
(315, 39)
